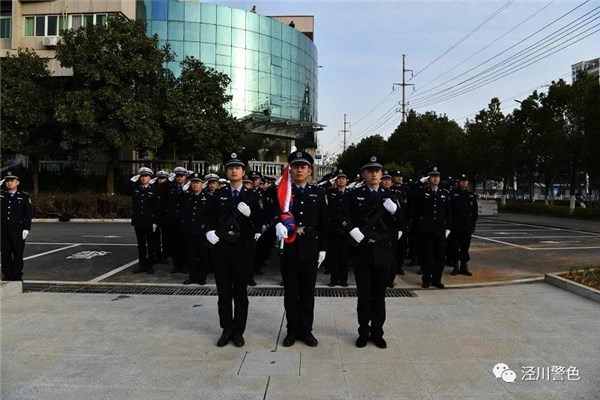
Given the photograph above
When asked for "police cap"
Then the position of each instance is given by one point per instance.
(10, 176)
(145, 171)
(234, 159)
(300, 157)
(372, 162)
(211, 177)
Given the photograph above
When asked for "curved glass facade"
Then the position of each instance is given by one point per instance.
(273, 67)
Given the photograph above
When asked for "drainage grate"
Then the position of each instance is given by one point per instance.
(187, 291)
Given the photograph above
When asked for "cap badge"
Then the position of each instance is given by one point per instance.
(373, 159)
(233, 155)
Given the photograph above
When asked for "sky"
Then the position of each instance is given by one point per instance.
(447, 44)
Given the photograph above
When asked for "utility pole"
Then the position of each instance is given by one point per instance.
(344, 131)
(404, 85)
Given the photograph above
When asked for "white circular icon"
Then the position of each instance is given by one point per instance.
(509, 376)
(499, 369)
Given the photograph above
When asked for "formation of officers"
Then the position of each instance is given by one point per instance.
(204, 223)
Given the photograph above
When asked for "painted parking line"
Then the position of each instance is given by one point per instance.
(546, 237)
(82, 244)
(564, 248)
(501, 242)
(51, 251)
(114, 271)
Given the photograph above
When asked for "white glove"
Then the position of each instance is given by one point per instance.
(447, 232)
(212, 237)
(152, 181)
(154, 227)
(244, 209)
(390, 205)
(2, 182)
(321, 258)
(357, 235)
(25, 234)
(135, 178)
(281, 231)
(423, 179)
(257, 236)
(186, 186)
(171, 177)
(399, 235)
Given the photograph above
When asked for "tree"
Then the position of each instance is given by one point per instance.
(27, 109)
(117, 91)
(196, 118)
(350, 160)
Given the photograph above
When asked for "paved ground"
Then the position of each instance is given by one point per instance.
(506, 247)
(441, 344)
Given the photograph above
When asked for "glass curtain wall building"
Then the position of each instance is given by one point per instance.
(272, 66)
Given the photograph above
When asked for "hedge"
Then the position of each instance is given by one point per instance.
(591, 212)
(84, 204)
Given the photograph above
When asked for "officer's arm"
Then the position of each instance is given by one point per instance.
(344, 216)
(323, 225)
(256, 212)
(28, 214)
(475, 211)
(448, 213)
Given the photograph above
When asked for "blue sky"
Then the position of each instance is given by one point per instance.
(361, 44)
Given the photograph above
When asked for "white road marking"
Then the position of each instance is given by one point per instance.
(555, 242)
(547, 237)
(50, 252)
(83, 244)
(564, 248)
(501, 242)
(114, 271)
(101, 236)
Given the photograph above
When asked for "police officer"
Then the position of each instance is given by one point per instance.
(401, 190)
(196, 222)
(234, 226)
(145, 207)
(464, 218)
(173, 190)
(433, 213)
(304, 250)
(338, 253)
(16, 224)
(211, 181)
(371, 217)
(161, 178)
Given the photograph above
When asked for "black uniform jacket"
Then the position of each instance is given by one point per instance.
(145, 205)
(432, 210)
(196, 213)
(16, 211)
(223, 209)
(464, 209)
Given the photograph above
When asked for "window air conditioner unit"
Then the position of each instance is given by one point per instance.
(50, 41)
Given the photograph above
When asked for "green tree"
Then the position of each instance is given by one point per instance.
(197, 121)
(27, 109)
(117, 91)
(350, 160)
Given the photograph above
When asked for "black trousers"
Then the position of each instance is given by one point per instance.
(13, 246)
(146, 244)
(233, 269)
(175, 246)
(264, 247)
(197, 257)
(299, 279)
(402, 246)
(160, 243)
(371, 282)
(459, 242)
(338, 258)
(413, 244)
(431, 256)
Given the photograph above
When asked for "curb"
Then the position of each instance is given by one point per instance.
(10, 289)
(574, 287)
(83, 220)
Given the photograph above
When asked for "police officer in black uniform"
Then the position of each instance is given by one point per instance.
(464, 218)
(161, 177)
(196, 222)
(16, 224)
(372, 217)
(434, 218)
(302, 257)
(145, 207)
(401, 190)
(235, 222)
(338, 253)
(173, 190)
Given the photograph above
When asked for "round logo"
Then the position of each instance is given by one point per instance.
(373, 159)
(435, 169)
(298, 154)
(233, 155)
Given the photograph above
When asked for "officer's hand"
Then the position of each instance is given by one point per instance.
(357, 235)
(390, 205)
(135, 178)
(399, 235)
(186, 186)
(281, 231)
(154, 226)
(264, 228)
(321, 258)
(423, 179)
(212, 237)
(152, 181)
(244, 209)
(25, 234)
(171, 177)
(447, 232)
(257, 236)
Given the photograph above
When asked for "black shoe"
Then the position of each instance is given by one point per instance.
(252, 282)
(224, 339)
(455, 271)
(379, 341)
(238, 340)
(289, 340)
(259, 272)
(189, 282)
(344, 284)
(425, 285)
(412, 263)
(420, 272)
(438, 285)
(331, 284)
(202, 282)
(466, 272)
(391, 285)
(139, 270)
(400, 272)
(281, 283)
(150, 270)
(361, 341)
(310, 340)
(175, 270)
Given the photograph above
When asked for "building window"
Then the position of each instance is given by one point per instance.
(4, 27)
(29, 25)
(76, 21)
(88, 20)
(52, 25)
(101, 19)
(40, 25)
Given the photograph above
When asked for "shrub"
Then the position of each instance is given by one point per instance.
(539, 208)
(84, 204)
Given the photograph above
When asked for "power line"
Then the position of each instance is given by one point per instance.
(420, 94)
(478, 27)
